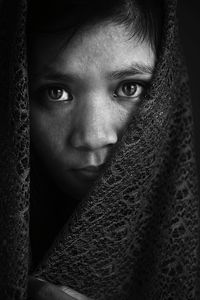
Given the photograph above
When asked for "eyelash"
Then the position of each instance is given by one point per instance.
(47, 89)
(137, 85)
(43, 92)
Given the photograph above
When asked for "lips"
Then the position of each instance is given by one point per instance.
(89, 172)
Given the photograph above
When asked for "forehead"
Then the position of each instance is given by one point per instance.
(101, 46)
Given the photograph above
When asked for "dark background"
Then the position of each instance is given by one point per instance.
(189, 26)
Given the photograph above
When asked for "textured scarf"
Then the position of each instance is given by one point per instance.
(136, 234)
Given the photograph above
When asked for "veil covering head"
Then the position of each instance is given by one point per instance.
(136, 234)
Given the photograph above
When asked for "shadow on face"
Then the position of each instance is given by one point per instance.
(83, 94)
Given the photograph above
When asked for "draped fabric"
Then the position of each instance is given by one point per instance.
(136, 234)
(14, 152)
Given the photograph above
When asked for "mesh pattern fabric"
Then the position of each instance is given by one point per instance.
(136, 234)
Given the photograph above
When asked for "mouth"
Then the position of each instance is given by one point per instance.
(88, 172)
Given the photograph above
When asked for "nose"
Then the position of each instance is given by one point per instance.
(94, 124)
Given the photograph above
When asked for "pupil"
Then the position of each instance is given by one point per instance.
(129, 89)
(55, 93)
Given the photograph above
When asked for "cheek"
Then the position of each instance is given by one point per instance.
(48, 133)
(124, 113)
(51, 131)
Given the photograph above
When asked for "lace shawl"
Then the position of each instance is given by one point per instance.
(136, 234)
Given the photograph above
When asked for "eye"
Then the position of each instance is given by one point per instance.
(129, 90)
(58, 94)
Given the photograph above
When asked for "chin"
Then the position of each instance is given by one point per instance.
(73, 186)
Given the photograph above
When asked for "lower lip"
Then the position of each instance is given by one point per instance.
(87, 174)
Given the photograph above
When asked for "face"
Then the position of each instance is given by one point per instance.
(83, 93)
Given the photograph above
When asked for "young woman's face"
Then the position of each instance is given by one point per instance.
(83, 93)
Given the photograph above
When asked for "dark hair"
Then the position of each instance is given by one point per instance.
(141, 17)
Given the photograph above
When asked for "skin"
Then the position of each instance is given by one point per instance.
(80, 128)
(83, 94)
(42, 290)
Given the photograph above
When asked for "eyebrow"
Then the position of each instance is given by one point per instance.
(49, 73)
(134, 69)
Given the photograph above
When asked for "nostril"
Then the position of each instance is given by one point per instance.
(91, 140)
(94, 124)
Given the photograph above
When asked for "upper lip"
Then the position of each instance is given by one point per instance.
(90, 168)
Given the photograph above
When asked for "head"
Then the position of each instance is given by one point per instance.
(89, 65)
